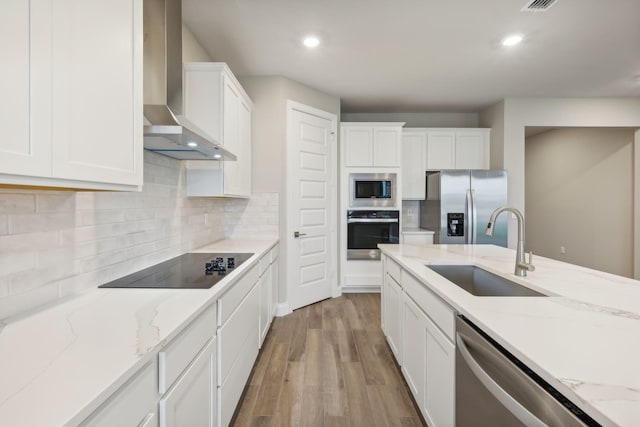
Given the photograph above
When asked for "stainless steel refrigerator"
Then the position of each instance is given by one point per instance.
(459, 203)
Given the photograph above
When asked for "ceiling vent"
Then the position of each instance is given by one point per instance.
(538, 5)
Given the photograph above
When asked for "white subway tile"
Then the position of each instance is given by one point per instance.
(13, 203)
(29, 223)
(56, 202)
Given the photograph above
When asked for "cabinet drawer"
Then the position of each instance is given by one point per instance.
(264, 263)
(132, 405)
(177, 355)
(439, 311)
(190, 401)
(393, 269)
(231, 299)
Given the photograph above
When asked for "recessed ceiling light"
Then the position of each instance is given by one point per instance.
(311, 42)
(192, 144)
(512, 40)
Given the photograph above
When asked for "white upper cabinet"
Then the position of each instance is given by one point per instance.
(457, 149)
(441, 149)
(472, 149)
(414, 145)
(371, 144)
(74, 78)
(426, 149)
(216, 103)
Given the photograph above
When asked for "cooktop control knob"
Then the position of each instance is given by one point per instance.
(231, 262)
(209, 268)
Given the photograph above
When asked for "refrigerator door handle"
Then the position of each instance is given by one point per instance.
(468, 224)
(474, 218)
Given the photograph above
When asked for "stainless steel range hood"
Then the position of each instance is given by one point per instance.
(166, 130)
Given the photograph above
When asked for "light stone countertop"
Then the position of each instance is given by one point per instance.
(584, 339)
(58, 365)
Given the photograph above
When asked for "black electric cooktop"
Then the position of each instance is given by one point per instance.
(188, 271)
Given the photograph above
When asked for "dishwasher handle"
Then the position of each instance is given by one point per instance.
(511, 404)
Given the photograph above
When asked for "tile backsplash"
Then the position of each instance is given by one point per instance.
(57, 243)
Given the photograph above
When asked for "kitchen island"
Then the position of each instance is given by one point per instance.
(583, 339)
(64, 363)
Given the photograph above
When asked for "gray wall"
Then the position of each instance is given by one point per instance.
(416, 120)
(579, 195)
(269, 115)
(511, 116)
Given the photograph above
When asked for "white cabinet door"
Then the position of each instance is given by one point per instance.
(244, 150)
(414, 352)
(439, 395)
(274, 287)
(190, 401)
(97, 91)
(394, 317)
(358, 143)
(215, 102)
(414, 145)
(472, 149)
(25, 145)
(441, 149)
(238, 350)
(386, 147)
(265, 304)
(74, 80)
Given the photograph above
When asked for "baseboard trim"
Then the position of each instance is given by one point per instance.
(283, 309)
(360, 289)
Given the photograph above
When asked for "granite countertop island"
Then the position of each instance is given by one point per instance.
(58, 365)
(583, 339)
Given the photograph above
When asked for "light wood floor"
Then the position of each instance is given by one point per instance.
(327, 364)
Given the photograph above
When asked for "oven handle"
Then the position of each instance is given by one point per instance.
(511, 404)
(369, 220)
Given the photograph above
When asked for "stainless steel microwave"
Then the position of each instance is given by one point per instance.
(372, 190)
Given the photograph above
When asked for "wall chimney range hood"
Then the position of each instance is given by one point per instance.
(166, 130)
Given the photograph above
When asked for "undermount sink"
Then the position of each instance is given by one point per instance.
(481, 283)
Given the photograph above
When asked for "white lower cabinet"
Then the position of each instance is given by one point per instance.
(265, 303)
(238, 350)
(394, 327)
(191, 400)
(438, 404)
(414, 320)
(274, 285)
(415, 339)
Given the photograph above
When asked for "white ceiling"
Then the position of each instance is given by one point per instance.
(427, 55)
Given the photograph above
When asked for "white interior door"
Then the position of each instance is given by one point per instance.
(312, 225)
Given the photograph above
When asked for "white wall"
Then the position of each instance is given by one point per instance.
(192, 50)
(269, 119)
(579, 196)
(555, 112)
(416, 120)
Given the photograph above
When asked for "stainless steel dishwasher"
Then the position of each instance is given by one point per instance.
(493, 388)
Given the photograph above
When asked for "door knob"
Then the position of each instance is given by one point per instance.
(297, 234)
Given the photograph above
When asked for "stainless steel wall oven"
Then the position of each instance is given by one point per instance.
(366, 228)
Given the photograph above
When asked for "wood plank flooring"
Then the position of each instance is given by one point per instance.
(327, 364)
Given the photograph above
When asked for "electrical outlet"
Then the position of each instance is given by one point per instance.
(409, 211)
(562, 249)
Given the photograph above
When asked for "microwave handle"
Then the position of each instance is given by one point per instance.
(372, 220)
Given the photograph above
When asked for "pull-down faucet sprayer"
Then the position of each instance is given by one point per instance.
(521, 265)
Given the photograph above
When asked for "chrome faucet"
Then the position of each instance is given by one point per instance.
(521, 265)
